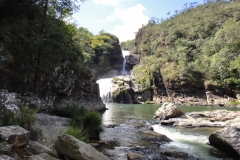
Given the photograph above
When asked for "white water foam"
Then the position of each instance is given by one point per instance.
(105, 87)
(191, 143)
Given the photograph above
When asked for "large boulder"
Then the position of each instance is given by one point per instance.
(72, 148)
(42, 156)
(227, 139)
(37, 148)
(168, 110)
(13, 134)
(51, 127)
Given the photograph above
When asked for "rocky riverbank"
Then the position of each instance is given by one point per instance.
(225, 139)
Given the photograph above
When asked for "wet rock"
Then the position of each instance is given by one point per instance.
(135, 156)
(177, 155)
(71, 147)
(42, 156)
(227, 139)
(168, 110)
(156, 137)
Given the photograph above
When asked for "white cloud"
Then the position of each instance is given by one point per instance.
(133, 18)
(108, 2)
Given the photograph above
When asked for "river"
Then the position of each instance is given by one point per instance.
(191, 141)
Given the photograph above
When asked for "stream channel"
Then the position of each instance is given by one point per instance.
(123, 134)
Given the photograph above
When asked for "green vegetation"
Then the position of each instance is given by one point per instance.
(85, 124)
(128, 45)
(24, 117)
(235, 103)
(36, 45)
(199, 44)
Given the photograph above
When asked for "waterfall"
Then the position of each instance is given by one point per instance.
(105, 87)
(123, 72)
(124, 53)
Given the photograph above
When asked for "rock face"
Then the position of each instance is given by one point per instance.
(13, 101)
(126, 91)
(132, 60)
(71, 147)
(85, 94)
(168, 110)
(227, 139)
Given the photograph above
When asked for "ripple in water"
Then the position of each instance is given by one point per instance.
(191, 143)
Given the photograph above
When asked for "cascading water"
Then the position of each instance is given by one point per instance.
(105, 87)
(124, 72)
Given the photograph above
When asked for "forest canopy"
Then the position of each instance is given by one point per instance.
(36, 44)
(199, 44)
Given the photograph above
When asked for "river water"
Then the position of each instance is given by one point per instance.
(191, 141)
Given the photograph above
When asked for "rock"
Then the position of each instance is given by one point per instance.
(168, 110)
(13, 101)
(227, 139)
(71, 147)
(37, 148)
(65, 85)
(216, 118)
(5, 149)
(5, 157)
(33, 101)
(132, 60)
(156, 137)
(11, 134)
(177, 155)
(51, 127)
(135, 156)
(42, 156)
(9, 101)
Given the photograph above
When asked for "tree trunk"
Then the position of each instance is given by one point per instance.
(38, 58)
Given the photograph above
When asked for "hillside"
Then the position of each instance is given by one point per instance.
(196, 48)
(42, 53)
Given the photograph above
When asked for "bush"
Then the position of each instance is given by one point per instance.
(24, 118)
(77, 132)
(92, 123)
(85, 121)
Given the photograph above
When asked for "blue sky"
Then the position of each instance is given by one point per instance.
(123, 18)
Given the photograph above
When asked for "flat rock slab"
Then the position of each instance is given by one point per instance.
(12, 134)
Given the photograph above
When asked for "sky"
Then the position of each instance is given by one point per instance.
(123, 18)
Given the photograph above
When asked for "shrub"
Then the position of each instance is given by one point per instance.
(78, 132)
(24, 118)
(92, 123)
(85, 121)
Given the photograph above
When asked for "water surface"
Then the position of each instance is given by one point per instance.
(193, 141)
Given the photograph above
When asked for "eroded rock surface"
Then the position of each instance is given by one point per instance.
(71, 147)
(168, 110)
(227, 139)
